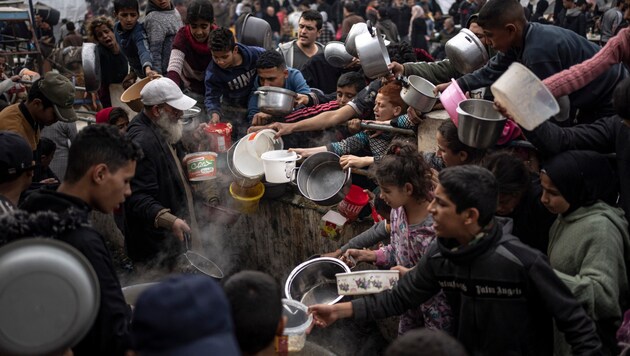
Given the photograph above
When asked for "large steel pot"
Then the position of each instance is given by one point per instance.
(49, 297)
(479, 124)
(321, 179)
(417, 92)
(91, 66)
(336, 54)
(275, 101)
(373, 54)
(314, 281)
(355, 30)
(254, 32)
(466, 52)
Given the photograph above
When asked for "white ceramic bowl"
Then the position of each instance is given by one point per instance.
(366, 282)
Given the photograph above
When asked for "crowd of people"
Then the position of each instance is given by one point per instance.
(521, 248)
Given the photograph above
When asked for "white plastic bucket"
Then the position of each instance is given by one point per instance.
(278, 165)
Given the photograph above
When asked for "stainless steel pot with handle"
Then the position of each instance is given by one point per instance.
(479, 124)
(254, 32)
(466, 52)
(355, 30)
(417, 92)
(275, 101)
(373, 54)
(91, 66)
(321, 179)
(314, 281)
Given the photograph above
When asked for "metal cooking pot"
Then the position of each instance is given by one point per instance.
(49, 297)
(355, 30)
(314, 281)
(275, 101)
(466, 52)
(321, 179)
(479, 124)
(255, 32)
(373, 54)
(336, 55)
(417, 92)
(132, 292)
(91, 66)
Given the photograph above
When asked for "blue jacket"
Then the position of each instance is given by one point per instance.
(295, 82)
(548, 50)
(235, 83)
(135, 46)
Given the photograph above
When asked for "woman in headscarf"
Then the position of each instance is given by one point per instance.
(589, 242)
(418, 28)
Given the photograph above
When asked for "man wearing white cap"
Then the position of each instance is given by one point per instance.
(160, 208)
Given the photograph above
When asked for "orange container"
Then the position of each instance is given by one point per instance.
(219, 136)
(201, 166)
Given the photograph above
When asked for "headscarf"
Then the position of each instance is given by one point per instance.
(416, 12)
(102, 117)
(582, 177)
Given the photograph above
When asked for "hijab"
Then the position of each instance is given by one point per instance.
(416, 12)
(583, 177)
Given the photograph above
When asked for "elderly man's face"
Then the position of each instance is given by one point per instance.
(168, 120)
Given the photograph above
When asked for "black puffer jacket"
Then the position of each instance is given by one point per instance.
(502, 293)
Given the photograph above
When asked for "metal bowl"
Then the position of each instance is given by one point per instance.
(91, 66)
(466, 52)
(373, 54)
(321, 179)
(275, 101)
(314, 282)
(336, 54)
(49, 297)
(357, 29)
(417, 92)
(479, 125)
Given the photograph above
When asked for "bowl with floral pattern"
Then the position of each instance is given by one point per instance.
(366, 282)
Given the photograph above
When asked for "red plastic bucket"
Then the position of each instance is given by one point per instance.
(354, 201)
(219, 136)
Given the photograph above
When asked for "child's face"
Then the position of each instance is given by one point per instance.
(394, 195)
(447, 155)
(122, 124)
(345, 94)
(500, 39)
(128, 18)
(446, 221)
(385, 110)
(162, 4)
(551, 197)
(105, 36)
(224, 59)
(200, 30)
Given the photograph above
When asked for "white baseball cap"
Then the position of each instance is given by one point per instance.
(165, 91)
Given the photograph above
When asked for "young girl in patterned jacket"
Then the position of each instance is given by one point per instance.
(406, 186)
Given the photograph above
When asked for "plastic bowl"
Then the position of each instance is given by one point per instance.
(298, 321)
(366, 282)
(524, 96)
(131, 96)
(245, 164)
(450, 98)
(263, 141)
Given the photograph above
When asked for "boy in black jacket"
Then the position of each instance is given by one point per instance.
(503, 294)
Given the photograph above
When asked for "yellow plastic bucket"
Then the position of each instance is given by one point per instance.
(246, 199)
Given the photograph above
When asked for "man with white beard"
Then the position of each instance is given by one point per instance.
(160, 208)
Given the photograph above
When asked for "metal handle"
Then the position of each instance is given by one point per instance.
(187, 240)
(369, 28)
(260, 92)
(293, 176)
(387, 128)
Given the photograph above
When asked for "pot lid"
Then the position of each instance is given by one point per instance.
(49, 296)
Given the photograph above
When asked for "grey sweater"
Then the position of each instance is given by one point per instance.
(161, 27)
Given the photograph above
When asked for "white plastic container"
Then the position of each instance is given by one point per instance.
(263, 141)
(278, 165)
(366, 282)
(524, 96)
(298, 321)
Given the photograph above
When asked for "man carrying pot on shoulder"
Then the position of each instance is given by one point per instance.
(160, 209)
